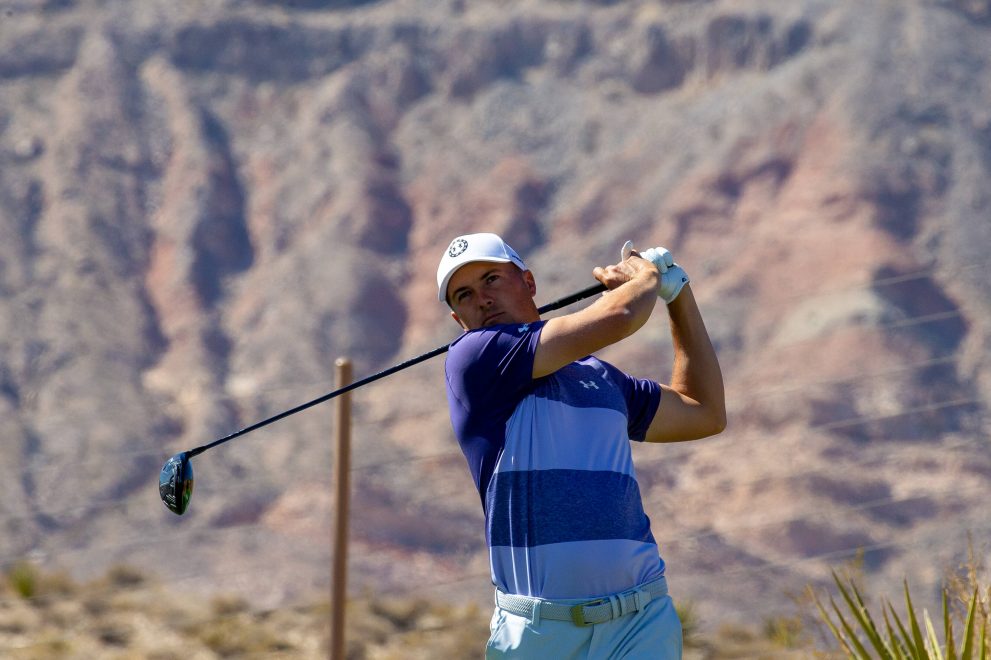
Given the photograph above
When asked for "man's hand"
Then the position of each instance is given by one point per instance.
(626, 270)
(617, 314)
(673, 276)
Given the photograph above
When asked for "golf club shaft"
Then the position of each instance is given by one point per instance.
(549, 307)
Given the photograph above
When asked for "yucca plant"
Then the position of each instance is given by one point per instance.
(860, 636)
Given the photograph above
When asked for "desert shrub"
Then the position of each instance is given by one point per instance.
(226, 606)
(30, 583)
(114, 633)
(401, 613)
(125, 577)
(786, 631)
(23, 579)
(97, 602)
(17, 622)
(238, 636)
(690, 622)
(860, 634)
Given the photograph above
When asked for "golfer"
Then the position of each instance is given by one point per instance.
(545, 428)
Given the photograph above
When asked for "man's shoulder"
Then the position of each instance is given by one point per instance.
(590, 363)
(494, 358)
(481, 338)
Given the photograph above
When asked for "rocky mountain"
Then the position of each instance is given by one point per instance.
(204, 204)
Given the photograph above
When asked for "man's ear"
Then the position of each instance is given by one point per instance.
(530, 282)
(458, 321)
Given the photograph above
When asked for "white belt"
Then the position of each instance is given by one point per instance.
(590, 612)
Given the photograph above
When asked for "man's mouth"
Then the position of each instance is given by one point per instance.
(488, 319)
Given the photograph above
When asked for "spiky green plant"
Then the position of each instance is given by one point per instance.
(862, 638)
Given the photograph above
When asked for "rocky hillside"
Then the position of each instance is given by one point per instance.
(202, 205)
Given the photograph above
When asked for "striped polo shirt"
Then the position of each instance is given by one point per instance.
(552, 463)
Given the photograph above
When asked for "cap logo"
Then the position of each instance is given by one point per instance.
(457, 247)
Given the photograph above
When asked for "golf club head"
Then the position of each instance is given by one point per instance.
(175, 483)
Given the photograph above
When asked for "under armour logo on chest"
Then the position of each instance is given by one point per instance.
(589, 384)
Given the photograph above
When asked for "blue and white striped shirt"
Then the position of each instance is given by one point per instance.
(551, 460)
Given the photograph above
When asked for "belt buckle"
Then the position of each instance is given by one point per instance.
(578, 614)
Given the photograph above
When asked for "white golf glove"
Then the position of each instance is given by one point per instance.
(673, 276)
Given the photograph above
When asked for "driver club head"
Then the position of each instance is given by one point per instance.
(175, 483)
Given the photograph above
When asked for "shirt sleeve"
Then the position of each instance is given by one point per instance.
(642, 400)
(491, 369)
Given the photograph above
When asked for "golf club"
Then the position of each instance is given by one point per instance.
(175, 483)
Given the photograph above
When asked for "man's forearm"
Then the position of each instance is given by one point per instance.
(696, 371)
(617, 314)
(631, 296)
(637, 298)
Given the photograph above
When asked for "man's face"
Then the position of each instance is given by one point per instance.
(482, 294)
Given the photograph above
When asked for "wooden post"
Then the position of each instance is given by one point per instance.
(342, 489)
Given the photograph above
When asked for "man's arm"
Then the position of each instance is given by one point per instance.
(617, 314)
(694, 405)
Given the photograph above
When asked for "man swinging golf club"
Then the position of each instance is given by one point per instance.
(545, 428)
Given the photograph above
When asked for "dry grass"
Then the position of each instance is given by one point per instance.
(124, 615)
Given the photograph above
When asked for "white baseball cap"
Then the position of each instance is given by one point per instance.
(473, 247)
